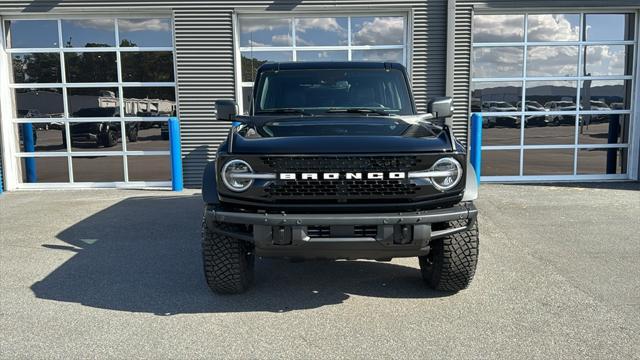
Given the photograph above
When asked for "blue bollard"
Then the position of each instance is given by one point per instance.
(476, 143)
(176, 154)
(29, 146)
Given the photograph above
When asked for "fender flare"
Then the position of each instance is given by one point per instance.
(471, 187)
(209, 184)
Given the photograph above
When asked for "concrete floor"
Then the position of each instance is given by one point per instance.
(118, 274)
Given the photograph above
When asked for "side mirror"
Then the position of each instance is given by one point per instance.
(226, 110)
(441, 107)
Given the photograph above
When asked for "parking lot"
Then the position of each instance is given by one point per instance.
(118, 274)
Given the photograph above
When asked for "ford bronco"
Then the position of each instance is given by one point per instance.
(332, 161)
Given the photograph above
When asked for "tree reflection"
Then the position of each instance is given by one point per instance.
(91, 66)
(36, 67)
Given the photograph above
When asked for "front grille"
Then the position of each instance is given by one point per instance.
(341, 163)
(342, 189)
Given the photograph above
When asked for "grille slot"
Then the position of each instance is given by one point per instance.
(365, 231)
(324, 231)
(319, 231)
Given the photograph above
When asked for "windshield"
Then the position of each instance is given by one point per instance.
(333, 90)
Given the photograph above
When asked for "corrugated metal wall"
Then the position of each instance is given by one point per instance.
(462, 69)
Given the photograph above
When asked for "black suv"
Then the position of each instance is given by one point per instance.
(333, 162)
(100, 133)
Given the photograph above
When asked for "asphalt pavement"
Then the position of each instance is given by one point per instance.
(117, 274)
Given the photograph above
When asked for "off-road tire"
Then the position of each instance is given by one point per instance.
(109, 139)
(228, 262)
(451, 263)
(133, 134)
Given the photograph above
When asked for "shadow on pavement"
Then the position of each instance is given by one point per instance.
(143, 255)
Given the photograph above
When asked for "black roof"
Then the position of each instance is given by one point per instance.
(316, 65)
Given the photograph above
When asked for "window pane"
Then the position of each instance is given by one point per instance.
(145, 32)
(553, 27)
(149, 101)
(91, 67)
(93, 102)
(553, 95)
(251, 61)
(96, 169)
(41, 137)
(149, 168)
(602, 161)
(32, 33)
(497, 96)
(321, 31)
(500, 163)
(552, 61)
(88, 33)
(501, 130)
(93, 136)
(608, 60)
(36, 68)
(548, 162)
(247, 93)
(547, 130)
(39, 103)
(147, 66)
(604, 129)
(605, 95)
(394, 55)
(147, 136)
(601, 27)
(45, 169)
(324, 55)
(497, 62)
(378, 30)
(261, 32)
(498, 28)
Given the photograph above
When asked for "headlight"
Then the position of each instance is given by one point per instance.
(445, 174)
(236, 175)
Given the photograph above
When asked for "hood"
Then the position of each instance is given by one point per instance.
(338, 135)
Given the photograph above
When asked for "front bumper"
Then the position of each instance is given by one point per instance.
(343, 236)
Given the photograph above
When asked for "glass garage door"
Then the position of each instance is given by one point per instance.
(316, 38)
(91, 99)
(556, 93)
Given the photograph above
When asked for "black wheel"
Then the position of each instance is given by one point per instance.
(110, 139)
(228, 262)
(165, 136)
(451, 263)
(133, 134)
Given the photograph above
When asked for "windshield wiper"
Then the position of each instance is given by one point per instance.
(285, 111)
(358, 110)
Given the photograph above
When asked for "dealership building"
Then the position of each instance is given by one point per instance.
(87, 87)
